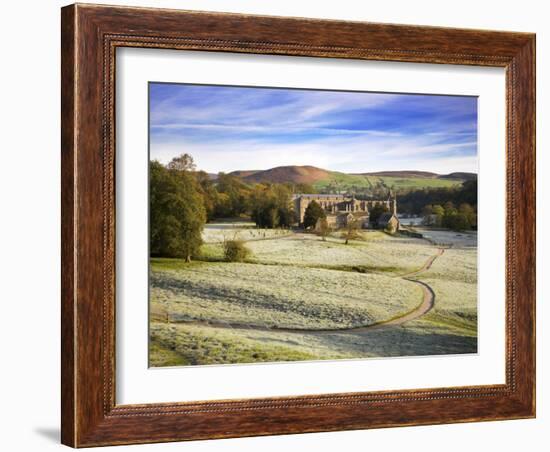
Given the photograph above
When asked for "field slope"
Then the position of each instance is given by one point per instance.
(323, 179)
(301, 298)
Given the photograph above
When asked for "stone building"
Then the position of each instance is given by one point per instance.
(389, 222)
(340, 209)
(341, 220)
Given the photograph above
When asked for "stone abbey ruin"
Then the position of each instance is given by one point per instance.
(342, 209)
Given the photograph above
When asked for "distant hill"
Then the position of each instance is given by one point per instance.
(244, 173)
(460, 176)
(424, 174)
(325, 180)
(280, 174)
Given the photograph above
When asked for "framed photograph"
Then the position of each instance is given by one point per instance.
(282, 225)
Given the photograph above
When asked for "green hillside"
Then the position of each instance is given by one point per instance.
(413, 182)
(326, 181)
(343, 182)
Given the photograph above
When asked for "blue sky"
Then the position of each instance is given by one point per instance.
(229, 128)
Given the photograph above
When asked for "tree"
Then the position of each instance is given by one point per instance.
(268, 216)
(183, 162)
(264, 207)
(439, 213)
(351, 231)
(427, 210)
(461, 219)
(449, 218)
(376, 212)
(270, 205)
(461, 222)
(235, 250)
(236, 201)
(428, 215)
(209, 193)
(177, 214)
(304, 188)
(285, 214)
(449, 207)
(438, 210)
(468, 192)
(324, 229)
(413, 200)
(313, 212)
(468, 211)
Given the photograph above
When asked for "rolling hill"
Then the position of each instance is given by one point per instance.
(325, 180)
(423, 174)
(281, 174)
(460, 176)
(244, 173)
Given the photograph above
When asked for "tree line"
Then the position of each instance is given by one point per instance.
(414, 201)
(183, 199)
(459, 218)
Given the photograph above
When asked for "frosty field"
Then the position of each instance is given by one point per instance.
(307, 298)
(298, 297)
(243, 230)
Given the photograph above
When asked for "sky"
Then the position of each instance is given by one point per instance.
(248, 128)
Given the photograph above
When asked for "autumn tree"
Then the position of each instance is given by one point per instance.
(176, 212)
(438, 212)
(468, 211)
(351, 231)
(234, 199)
(324, 229)
(209, 193)
(183, 162)
(235, 250)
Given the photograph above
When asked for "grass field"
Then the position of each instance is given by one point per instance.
(297, 297)
(242, 230)
(309, 298)
(413, 182)
(350, 181)
(376, 252)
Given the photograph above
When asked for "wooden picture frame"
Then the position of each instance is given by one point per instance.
(90, 36)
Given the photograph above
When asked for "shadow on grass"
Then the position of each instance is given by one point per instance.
(248, 298)
(400, 341)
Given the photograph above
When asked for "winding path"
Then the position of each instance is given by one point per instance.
(427, 304)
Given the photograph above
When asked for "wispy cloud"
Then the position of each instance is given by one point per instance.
(228, 128)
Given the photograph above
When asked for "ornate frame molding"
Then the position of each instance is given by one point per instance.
(90, 37)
